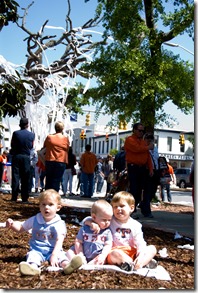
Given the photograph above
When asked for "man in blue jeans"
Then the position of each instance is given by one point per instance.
(99, 176)
(21, 145)
(166, 183)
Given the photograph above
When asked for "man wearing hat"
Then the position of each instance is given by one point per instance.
(21, 144)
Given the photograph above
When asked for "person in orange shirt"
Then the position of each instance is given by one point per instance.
(56, 157)
(39, 176)
(3, 161)
(88, 162)
(139, 163)
(166, 185)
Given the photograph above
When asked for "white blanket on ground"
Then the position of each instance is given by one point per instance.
(159, 273)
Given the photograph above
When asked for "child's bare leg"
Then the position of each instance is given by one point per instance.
(69, 255)
(117, 257)
(73, 263)
(145, 257)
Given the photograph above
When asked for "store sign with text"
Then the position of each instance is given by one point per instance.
(178, 157)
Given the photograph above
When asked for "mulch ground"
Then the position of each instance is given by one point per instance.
(13, 248)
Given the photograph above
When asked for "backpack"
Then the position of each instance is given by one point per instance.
(162, 163)
(119, 161)
(165, 177)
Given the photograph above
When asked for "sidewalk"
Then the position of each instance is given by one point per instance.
(183, 223)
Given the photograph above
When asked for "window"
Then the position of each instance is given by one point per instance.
(99, 147)
(156, 140)
(103, 144)
(182, 148)
(82, 144)
(111, 144)
(121, 142)
(95, 147)
(107, 143)
(169, 144)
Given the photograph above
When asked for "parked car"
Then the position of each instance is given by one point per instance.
(183, 177)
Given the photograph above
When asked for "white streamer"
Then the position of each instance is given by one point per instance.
(3, 225)
(53, 85)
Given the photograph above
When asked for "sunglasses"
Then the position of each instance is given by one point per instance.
(140, 130)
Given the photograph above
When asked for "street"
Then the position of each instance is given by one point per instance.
(179, 196)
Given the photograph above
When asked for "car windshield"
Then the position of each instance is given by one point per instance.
(182, 171)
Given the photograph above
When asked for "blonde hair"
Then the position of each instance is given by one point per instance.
(128, 197)
(100, 205)
(50, 192)
(59, 126)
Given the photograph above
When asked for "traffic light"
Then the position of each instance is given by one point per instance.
(82, 134)
(181, 139)
(107, 137)
(122, 125)
(87, 121)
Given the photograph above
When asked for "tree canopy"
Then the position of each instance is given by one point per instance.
(8, 12)
(135, 75)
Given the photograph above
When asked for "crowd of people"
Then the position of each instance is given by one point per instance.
(111, 235)
(56, 171)
(138, 157)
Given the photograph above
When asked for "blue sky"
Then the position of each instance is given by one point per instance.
(13, 49)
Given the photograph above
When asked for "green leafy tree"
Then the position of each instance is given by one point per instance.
(8, 12)
(76, 100)
(13, 95)
(113, 152)
(135, 75)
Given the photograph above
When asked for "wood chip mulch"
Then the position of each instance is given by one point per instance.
(13, 248)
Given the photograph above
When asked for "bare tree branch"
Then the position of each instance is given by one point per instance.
(77, 43)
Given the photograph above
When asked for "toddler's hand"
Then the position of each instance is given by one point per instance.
(98, 260)
(9, 223)
(54, 261)
(95, 228)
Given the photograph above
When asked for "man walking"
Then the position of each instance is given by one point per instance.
(88, 162)
(21, 145)
(138, 160)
